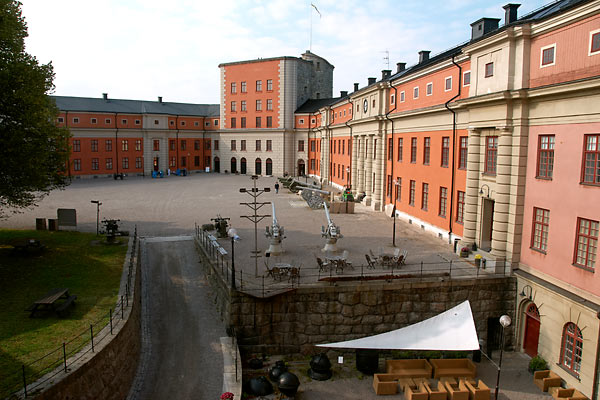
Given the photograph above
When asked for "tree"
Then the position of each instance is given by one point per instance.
(33, 151)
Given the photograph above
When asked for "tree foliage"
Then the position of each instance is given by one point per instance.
(33, 151)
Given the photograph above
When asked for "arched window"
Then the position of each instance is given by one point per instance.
(269, 164)
(243, 165)
(572, 348)
(233, 165)
(258, 167)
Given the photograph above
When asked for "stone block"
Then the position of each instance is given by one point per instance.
(372, 319)
(319, 307)
(347, 311)
(343, 329)
(315, 319)
(370, 298)
(334, 307)
(349, 298)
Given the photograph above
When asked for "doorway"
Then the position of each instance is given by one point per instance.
(243, 166)
(217, 164)
(233, 165)
(269, 167)
(532, 330)
(258, 167)
(155, 164)
(301, 168)
(487, 222)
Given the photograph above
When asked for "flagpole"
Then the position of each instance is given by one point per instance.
(311, 13)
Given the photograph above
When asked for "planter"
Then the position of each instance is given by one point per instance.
(464, 254)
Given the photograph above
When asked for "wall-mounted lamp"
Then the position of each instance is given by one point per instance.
(527, 291)
(481, 190)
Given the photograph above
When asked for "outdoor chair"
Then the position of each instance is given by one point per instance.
(274, 273)
(322, 265)
(396, 252)
(546, 379)
(370, 263)
(294, 275)
(404, 255)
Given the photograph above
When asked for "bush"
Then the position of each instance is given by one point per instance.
(537, 363)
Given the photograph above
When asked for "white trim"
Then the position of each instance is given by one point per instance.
(429, 85)
(550, 46)
(445, 83)
(464, 73)
(595, 53)
(417, 96)
(402, 96)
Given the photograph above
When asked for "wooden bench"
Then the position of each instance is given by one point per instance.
(457, 391)
(568, 394)
(478, 391)
(385, 384)
(546, 379)
(415, 391)
(455, 367)
(436, 393)
(409, 368)
(60, 310)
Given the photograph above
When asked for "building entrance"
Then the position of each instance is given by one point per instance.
(155, 164)
(532, 330)
(487, 222)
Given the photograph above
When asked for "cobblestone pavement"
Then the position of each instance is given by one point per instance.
(181, 348)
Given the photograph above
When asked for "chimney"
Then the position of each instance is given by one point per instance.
(355, 86)
(510, 13)
(160, 99)
(401, 66)
(105, 96)
(372, 80)
(483, 26)
(343, 93)
(423, 56)
(386, 73)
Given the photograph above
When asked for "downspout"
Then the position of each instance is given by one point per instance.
(202, 146)
(177, 141)
(69, 160)
(387, 116)
(351, 142)
(116, 143)
(597, 371)
(308, 144)
(329, 150)
(450, 214)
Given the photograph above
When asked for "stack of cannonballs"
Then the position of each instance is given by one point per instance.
(320, 367)
(286, 381)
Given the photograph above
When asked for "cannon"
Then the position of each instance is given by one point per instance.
(276, 234)
(332, 233)
(220, 226)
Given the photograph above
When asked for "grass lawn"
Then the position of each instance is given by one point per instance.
(87, 266)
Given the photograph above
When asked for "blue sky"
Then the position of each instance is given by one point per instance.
(141, 49)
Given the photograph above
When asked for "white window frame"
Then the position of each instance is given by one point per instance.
(416, 91)
(75, 120)
(138, 122)
(301, 121)
(446, 84)
(464, 73)
(427, 87)
(107, 121)
(93, 121)
(553, 45)
(402, 96)
(60, 120)
(393, 98)
(590, 53)
(123, 122)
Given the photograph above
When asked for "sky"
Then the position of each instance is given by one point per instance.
(142, 49)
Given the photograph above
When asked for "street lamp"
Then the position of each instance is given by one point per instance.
(504, 321)
(396, 184)
(98, 204)
(232, 233)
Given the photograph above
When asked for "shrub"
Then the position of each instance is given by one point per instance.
(537, 363)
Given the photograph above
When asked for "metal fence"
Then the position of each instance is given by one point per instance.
(33, 375)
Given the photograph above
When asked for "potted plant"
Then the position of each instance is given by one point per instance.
(478, 259)
(537, 363)
(464, 252)
(227, 396)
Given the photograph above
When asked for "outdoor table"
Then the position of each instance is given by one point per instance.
(48, 300)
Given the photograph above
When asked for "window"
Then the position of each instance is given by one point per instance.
(467, 78)
(95, 164)
(445, 151)
(491, 154)
(389, 186)
(416, 93)
(197, 145)
(258, 105)
(269, 104)
(448, 86)
(138, 122)
(413, 150)
(259, 86)
(390, 148)
(460, 207)
(269, 145)
(125, 162)
(425, 198)
(77, 164)
(75, 120)
(429, 89)
(587, 243)
(269, 85)
(94, 121)
(243, 105)
(426, 150)
(206, 145)
(183, 144)
(124, 122)
(216, 122)
(233, 106)
(545, 157)
(207, 123)
(547, 55)
(463, 152)
(539, 231)
(94, 145)
(172, 145)
(300, 145)
(258, 122)
(312, 164)
(156, 145)
(411, 198)
(196, 123)
(216, 144)
(173, 162)
(243, 122)
(443, 201)
(109, 163)
(594, 42)
(125, 145)
(138, 162)
(402, 96)
(374, 149)
(313, 120)
(76, 145)
(244, 87)
(108, 145)
(313, 145)
(196, 161)
(392, 100)
(572, 348)
(107, 120)
(232, 122)
(258, 145)
(269, 122)
(489, 69)
(242, 145)
(60, 120)
(138, 144)
(183, 161)
(400, 145)
(155, 122)
(233, 145)
(398, 188)
(591, 159)
(233, 87)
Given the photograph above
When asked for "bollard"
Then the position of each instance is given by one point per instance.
(421, 269)
(92, 336)
(450, 268)
(127, 299)
(241, 281)
(110, 319)
(25, 381)
(263, 286)
(122, 309)
(361, 271)
(65, 355)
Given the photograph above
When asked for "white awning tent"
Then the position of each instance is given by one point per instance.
(451, 330)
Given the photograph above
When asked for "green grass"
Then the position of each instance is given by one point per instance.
(87, 266)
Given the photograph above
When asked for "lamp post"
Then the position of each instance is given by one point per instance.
(232, 233)
(396, 183)
(504, 321)
(254, 192)
(98, 204)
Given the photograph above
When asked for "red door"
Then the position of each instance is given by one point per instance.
(532, 330)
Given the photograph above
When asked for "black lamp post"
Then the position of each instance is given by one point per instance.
(232, 233)
(396, 183)
(98, 204)
(504, 321)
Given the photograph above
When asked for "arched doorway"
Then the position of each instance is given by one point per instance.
(532, 330)
(233, 165)
(269, 167)
(301, 168)
(258, 167)
(243, 166)
(217, 167)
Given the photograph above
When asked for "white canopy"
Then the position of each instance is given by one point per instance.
(451, 330)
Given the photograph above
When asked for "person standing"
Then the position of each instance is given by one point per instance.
(276, 187)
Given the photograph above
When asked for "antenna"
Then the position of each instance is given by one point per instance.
(386, 59)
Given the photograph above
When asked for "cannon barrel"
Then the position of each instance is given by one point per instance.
(274, 215)
(327, 214)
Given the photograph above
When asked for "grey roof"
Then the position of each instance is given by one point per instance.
(313, 105)
(90, 104)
